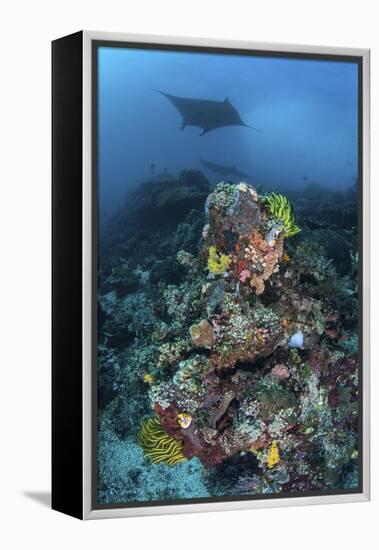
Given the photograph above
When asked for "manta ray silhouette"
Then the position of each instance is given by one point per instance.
(207, 114)
(223, 170)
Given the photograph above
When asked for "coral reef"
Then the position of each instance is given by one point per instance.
(280, 208)
(237, 332)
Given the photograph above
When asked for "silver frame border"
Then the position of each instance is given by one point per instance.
(88, 512)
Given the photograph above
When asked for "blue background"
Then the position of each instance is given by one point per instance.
(306, 109)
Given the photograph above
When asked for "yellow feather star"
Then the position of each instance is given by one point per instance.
(280, 208)
(158, 445)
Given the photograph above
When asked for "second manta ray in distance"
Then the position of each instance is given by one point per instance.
(207, 114)
(223, 170)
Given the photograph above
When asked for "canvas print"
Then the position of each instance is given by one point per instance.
(227, 344)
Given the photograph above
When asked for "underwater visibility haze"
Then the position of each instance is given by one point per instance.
(227, 361)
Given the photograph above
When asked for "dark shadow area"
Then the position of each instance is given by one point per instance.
(42, 497)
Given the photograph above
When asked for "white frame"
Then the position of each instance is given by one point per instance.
(148, 510)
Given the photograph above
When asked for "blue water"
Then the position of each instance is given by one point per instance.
(306, 110)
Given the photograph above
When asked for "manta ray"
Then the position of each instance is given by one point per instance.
(206, 114)
(223, 170)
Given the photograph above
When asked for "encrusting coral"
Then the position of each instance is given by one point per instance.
(273, 455)
(184, 420)
(202, 334)
(234, 333)
(158, 445)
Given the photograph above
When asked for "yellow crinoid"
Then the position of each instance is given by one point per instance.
(158, 445)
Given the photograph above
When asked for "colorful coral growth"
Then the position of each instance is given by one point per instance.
(273, 456)
(148, 378)
(217, 263)
(249, 342)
